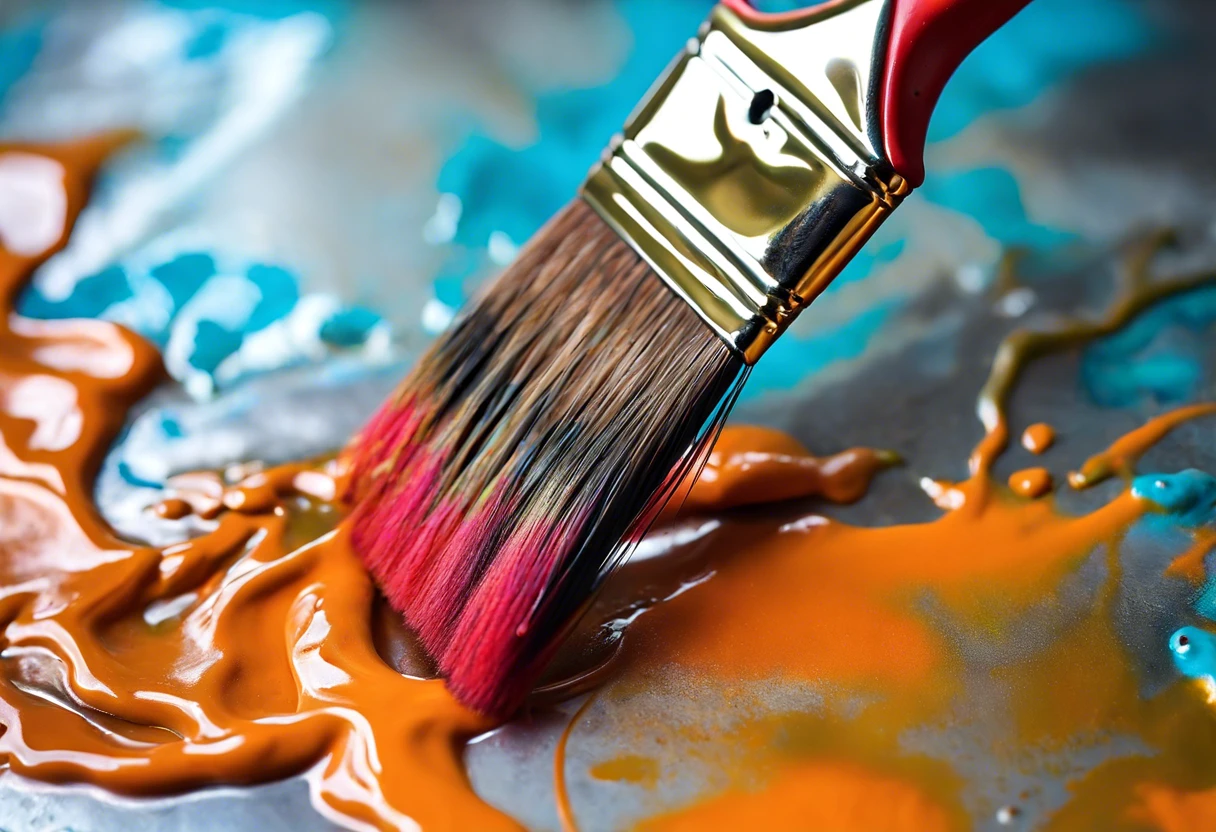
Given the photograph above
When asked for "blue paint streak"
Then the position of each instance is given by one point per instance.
(208, 43)
(130, 477)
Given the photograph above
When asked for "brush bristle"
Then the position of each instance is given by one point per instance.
(528, 448)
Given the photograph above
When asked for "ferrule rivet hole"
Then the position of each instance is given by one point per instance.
(762, 104)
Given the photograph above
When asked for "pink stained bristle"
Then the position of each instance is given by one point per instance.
(379, 519)
(528, 448)
(454, 572)
(389, 432)
(492, 631)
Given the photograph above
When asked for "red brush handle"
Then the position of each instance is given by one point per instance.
(928, 40)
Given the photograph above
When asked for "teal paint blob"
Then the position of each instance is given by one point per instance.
(1159, 357)
(349, 326)
(184, 275)
(1194, 652)
(280, 293)
(90, 297)
(212, 344)
(1187, 497)
(516, 190)
(207, 43)
(20, 44)
(171, 427)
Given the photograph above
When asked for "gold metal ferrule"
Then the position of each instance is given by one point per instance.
(753, 172)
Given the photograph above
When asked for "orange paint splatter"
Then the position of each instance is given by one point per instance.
(1038, 438)
(822, 795)
(1123, 454)
(751, 465)
(1030, 482)
(1168, 809)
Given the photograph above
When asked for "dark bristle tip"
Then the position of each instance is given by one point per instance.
(528, 448)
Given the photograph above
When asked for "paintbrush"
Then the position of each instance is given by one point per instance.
(540, 435)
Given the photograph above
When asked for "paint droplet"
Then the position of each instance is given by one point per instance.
(1006, 815)
(1031, 482)
(172, 509)
(1038, 438)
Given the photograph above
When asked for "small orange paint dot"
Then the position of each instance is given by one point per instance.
(1038, 438)
(172, 509)
(1031, 482)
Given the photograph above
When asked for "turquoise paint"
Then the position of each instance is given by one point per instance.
(1049, 41)
(90, 297)
(349, 326)
(280, 292)
(794, 357)
(207, 43)
(130, 477)
(992, 197)
(1159, 357)
(1194, 652)
(168, 297)
(867, 261)
(514, 190)
(265, 9)
(20, 44)
(212, 344)
(171, 427)
(1187, 497)
(184, 275)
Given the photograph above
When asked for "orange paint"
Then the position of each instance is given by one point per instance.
(629, 768)
(822, 795)
(842, 597)
(750, 465)
(565, 811)
(241, 656)
(1038, 438)
(173, 509)
(1189, 564)
(256, 651)
(1167, 809)
(1127, 450)
(875, 615)
(1030, 482)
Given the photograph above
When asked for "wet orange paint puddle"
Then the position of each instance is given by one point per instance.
(256, 651)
